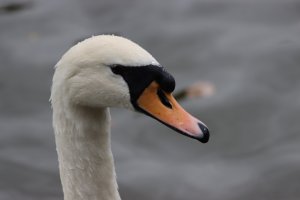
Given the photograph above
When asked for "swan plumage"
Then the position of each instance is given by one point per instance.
(101, 72)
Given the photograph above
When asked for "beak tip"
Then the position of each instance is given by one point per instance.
(205, 131)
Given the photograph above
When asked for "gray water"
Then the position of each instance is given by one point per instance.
(250, 51)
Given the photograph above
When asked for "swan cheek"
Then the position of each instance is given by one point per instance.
(164, 108)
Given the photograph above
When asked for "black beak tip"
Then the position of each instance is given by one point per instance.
(205, 131)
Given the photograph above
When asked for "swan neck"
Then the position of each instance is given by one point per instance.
(85, 159)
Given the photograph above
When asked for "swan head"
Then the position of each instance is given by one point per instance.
(112, 71)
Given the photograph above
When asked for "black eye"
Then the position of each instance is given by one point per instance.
(163, 98)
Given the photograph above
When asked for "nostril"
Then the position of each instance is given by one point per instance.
(163, 98)
(205, 132)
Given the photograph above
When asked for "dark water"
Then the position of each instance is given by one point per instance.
(250, 50)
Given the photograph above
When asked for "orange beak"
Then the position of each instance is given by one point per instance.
(163, 107)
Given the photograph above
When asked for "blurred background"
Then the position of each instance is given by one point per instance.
(249, 50)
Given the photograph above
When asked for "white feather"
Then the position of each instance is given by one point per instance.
(83, 89)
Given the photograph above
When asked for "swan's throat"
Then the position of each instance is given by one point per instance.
(85, 160)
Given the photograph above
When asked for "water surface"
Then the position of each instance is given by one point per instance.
(250, 51)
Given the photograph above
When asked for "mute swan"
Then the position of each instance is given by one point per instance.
(101, 72)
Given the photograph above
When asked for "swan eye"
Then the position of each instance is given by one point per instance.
(163, 98)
